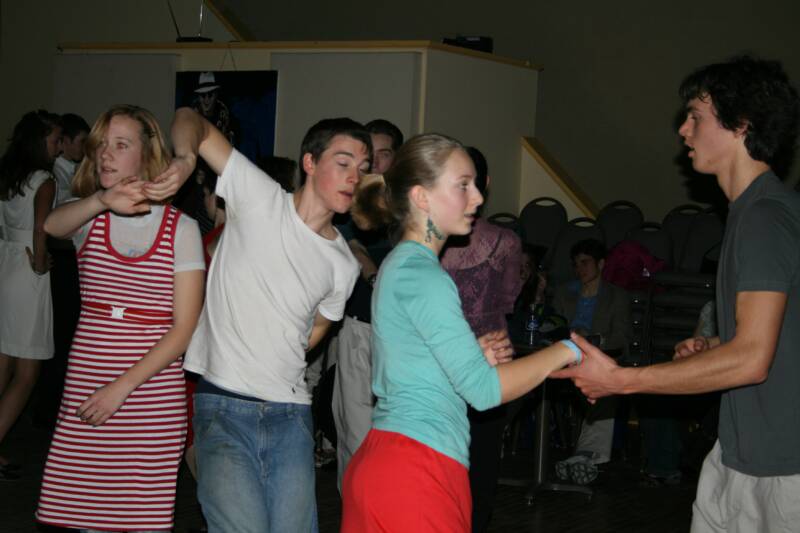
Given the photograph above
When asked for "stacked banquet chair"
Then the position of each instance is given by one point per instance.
(672, 308)
(617, 219)
(540, 222)
(505, 220)
(705, 234)
(560, 264)
(658, 243)
(676, 222)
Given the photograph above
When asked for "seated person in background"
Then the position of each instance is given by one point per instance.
(602, 310)
(532, 293)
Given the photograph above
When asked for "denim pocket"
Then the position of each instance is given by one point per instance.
(305, 422)
(204, 419)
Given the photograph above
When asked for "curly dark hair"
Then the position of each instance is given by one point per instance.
(752, 93)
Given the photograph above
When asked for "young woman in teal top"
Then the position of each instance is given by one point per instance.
(410, 474)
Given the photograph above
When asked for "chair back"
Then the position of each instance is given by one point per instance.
(655, 238)
(505, 220)
(560, 263)
(677, 223)
(541, 220)
(617, 219)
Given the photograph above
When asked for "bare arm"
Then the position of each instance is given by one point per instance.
(192, 136)
(188, 301)
(745, 360)
(521, 375)
(42, 204)
(125, 198)
(318, 330)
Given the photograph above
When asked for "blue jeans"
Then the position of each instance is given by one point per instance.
(255, 465)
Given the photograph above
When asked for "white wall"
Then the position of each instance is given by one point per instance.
(146, 80)
(31, 30)
(362, 86)
(488, 105)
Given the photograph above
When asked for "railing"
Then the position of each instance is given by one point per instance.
(542, 175)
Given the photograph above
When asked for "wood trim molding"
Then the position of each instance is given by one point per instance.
(322, 46)
(537, 150)
(483, 55)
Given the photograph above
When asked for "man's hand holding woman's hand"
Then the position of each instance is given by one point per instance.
(597, 376)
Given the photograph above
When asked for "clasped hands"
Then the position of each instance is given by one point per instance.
(599, 375)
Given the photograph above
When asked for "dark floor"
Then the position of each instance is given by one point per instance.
(620, 503)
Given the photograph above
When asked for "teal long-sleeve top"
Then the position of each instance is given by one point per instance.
(427, 363)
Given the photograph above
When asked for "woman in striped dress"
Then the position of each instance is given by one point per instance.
(115, 453)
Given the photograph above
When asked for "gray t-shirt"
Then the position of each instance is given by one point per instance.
(759, 425)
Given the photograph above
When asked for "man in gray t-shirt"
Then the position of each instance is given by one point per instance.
(741, 121)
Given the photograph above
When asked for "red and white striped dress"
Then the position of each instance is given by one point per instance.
(119, 476)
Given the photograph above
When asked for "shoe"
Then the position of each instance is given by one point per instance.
(564, 468)
(583, 473)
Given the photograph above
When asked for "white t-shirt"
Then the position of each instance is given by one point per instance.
(133, 236)
(64, 170)
(269, 276)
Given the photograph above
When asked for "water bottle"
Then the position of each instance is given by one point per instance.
(532, 326)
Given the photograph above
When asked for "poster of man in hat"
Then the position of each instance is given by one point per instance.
(242, 105)
(208, 104)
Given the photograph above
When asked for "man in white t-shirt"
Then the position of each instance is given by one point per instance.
(74, 131)
(280, 275)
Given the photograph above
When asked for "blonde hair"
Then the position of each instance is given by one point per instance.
(155, 157)
(420, 161)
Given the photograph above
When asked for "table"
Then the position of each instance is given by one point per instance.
(541, 463)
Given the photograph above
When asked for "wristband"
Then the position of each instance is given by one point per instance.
(574, 347)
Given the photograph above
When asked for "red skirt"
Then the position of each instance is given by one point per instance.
(395, 483)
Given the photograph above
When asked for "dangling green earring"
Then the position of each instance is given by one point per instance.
(432, 230)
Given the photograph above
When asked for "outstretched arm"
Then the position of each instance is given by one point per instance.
(522, 375)
(192, 136)
(745, 360)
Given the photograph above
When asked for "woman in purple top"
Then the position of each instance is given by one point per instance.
(485, 266)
